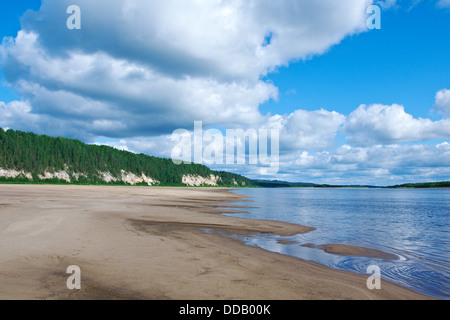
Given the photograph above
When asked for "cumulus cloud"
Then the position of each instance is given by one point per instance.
(97, 87)
(443, 102)
(379, 165)
(17, 115)
(139, 69)
(317, 159)
(381, 124)
(306, 130)
(144, 68)
(218, 38)
(374, 165)
(300, 130)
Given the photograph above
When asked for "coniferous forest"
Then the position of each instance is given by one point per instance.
(30, 155)
(35, 154)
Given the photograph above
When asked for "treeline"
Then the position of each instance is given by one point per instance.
(283, 184)
(36, 154)
(442, 184)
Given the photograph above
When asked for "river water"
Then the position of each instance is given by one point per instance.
(410, 223)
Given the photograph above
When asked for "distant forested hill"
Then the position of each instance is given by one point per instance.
(443, 184)
(31, 158)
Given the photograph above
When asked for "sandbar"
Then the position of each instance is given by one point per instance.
(150, 243)
(351, 250)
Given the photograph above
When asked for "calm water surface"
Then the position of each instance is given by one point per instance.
(413, 224)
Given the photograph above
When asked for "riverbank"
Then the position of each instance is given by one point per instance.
(150, 243)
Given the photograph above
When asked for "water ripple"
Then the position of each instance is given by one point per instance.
(412, 224)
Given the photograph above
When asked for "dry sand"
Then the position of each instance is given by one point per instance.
(148, 243)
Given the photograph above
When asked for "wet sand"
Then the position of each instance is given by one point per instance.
(150, 243)
(349, 250)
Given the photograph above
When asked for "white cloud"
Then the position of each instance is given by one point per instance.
(160, 146)
(443, 102)
(386, 4)
(98, 86)
(139, 69)
(381, 124)
(153, 66)
(306, 130)
(18, 115)
(375, 164)
(378, 165)
(220, 38)
(300, 130)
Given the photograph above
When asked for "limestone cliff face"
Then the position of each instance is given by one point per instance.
(108, 177)
(126, 177)
(61, 175)
(14, 174)
(196, 180)
(133, 179)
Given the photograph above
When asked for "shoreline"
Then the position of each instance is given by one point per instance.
(150, 243)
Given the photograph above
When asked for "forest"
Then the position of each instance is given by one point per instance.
(34, 154)
(424, 185)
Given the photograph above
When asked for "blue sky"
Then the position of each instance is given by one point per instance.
(352, 105)
(405, 62)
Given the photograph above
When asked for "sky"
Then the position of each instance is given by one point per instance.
(350, 104)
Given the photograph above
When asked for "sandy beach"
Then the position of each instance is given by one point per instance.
(150, 243)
